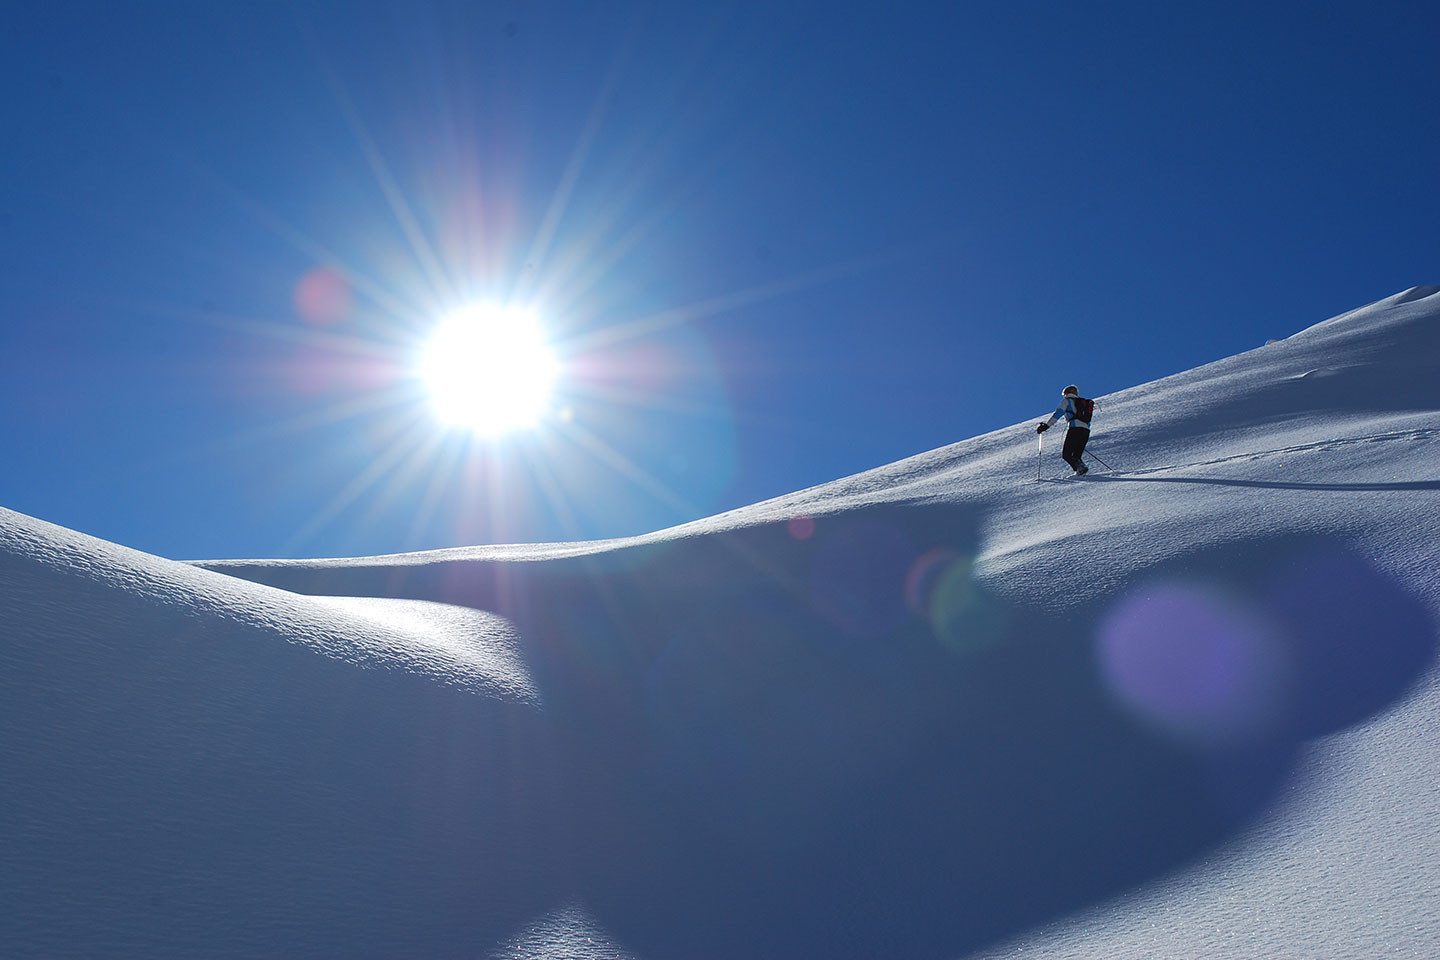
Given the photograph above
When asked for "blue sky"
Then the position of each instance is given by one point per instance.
(774, 244)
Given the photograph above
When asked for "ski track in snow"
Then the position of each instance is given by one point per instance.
(1332, 444)
(889, 729)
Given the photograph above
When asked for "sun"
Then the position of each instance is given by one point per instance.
(489, 369)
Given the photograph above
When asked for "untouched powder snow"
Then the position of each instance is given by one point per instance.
(1186, 709)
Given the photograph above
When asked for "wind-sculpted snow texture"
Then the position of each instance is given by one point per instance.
(932, 710)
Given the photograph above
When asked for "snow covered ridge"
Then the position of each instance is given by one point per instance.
(934, 710)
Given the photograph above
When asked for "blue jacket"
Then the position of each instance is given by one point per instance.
(1067, 410)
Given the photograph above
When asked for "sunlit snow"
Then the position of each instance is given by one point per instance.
(1187, 708)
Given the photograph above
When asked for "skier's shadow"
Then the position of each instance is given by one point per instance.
(1400, 486)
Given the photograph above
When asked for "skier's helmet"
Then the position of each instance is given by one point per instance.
(1070, 391)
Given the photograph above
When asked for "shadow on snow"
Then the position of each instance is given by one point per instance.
(758, 745)
(1397, 486)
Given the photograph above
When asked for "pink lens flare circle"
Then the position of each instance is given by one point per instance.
(322, 297)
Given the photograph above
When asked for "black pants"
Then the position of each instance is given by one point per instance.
(1075, 440)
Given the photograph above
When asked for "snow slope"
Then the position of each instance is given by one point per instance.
(874, 718)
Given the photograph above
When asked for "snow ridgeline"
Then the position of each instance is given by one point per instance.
(864, 719)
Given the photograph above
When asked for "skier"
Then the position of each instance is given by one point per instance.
(1078, 411)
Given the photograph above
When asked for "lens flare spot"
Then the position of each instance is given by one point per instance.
(1195, 664)
(941, 590)
(322, 297)
(801, 528)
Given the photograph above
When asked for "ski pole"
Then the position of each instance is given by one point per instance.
(1102, 462)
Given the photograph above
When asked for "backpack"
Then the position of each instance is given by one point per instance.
(1084, 409)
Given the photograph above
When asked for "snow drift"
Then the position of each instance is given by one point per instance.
(932, 710)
